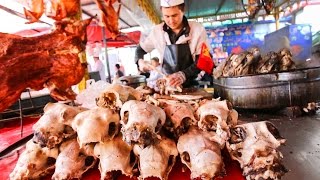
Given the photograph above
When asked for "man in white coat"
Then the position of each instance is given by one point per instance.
(178, 42)
(99, 66)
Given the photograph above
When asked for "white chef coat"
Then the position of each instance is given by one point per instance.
(99, 66)
(158, 39)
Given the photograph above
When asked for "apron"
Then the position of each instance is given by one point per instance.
(177, 57)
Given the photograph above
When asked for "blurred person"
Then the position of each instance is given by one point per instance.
(119, 72)
(219, 55)
(99, 66)
(154, 73)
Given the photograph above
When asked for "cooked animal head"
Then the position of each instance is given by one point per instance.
(158, 159)
(96, 125)
(115, 155)
(180, 117)
(55, 124)
(254, 146)
(115, 95)
(200, 154)
(141, 122)
(72, 162)
(35, 162)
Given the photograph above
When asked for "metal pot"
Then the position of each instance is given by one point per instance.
(274, 90)
(133, 80)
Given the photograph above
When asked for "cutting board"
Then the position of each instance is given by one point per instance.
(195, 92)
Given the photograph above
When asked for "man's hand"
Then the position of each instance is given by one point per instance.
(176, 79)
(144, 66)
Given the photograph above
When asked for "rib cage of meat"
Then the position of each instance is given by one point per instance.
(50, 60)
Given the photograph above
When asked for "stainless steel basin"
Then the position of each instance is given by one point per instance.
(274, 90)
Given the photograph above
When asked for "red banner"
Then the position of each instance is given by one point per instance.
(205, 62)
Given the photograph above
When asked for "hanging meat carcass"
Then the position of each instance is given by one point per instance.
(109, 16)
(55, 9)
(51, 60)
(60, 9)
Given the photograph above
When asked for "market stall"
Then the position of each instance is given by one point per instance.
(114, 131)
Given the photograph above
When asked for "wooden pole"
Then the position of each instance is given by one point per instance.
(106, 53)
(82, 56)
(277, 18)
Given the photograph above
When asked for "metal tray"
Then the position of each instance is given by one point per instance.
(274, 90)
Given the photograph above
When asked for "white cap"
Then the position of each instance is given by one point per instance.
(170, 3)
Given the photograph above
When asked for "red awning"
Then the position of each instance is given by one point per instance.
(94, 34)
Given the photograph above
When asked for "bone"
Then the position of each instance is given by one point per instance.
(103, 124)
(181, 116)
(254, 146)
(115, 95)
(55, 124)
(71, 162)
(141, 122)
(200, 154)
(158, 159)
(35, 162)
(115, 155)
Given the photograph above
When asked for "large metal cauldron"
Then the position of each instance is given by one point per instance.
(275, 90)
(133, 80)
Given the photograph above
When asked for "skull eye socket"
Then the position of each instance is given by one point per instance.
(112, 129)
(158, 127)
(51, 161)
(171, 161)
(184, 126)
(238, 135)
(125, 117)
(67, 130)
(89, 161)
(210, 122)
(273, 130)
(229, 105)
(185, 156)
(133, 158)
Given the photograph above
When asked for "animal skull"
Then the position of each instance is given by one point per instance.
(115, 95)
(200, 154)
(96, 125)
(141, 122)
(254, 146)
(35, 162)
(180, 117)
(115, 155)
(158, 159)
(55, 124)
(216, 115)
(72, 162)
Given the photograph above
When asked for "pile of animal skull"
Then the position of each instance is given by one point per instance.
(252, 62)
(138, 133)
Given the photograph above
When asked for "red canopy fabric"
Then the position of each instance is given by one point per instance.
(94, 34)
